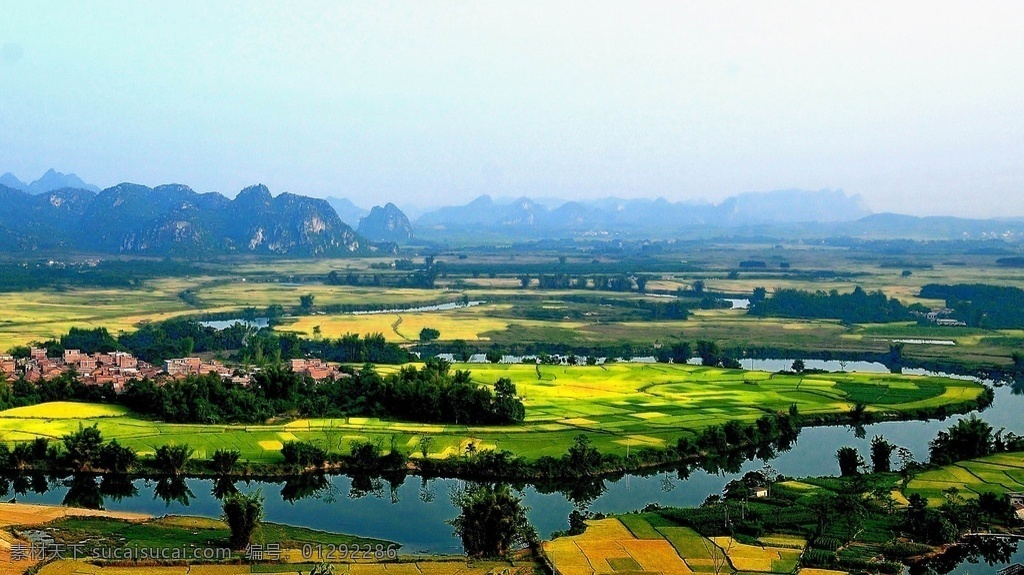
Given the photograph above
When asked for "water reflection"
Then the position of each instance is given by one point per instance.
(173, 489)
(977, 555)
(413, 511)
(83, 491)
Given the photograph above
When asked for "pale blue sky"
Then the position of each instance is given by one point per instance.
(918, 107)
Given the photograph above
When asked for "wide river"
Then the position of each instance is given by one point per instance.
(415, 514)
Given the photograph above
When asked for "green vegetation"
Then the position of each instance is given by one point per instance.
(997, 474)
(618, 407)
(432, 394)
(243, 513)
(492, 521)
(981, 305)
(98, 534)
(855, 307)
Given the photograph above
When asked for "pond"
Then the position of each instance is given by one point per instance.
(413, 512)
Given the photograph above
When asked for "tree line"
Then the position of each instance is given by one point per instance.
(431, 394)
(156, 342)
(858, 306)
(979, 305)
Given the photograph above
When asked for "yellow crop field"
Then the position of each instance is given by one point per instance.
(607, 547)
(761, 559)
(240, 293)
(65, 410)
(400, 327)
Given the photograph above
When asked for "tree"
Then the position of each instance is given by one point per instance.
(968, 439)
(429, 334)
(83, 447)
(493, 355)
(850, 462)
(117, 458)
(425, 442)
(798, 365)
(582, 458)
(306, 302)
(172, 459)
(492, 521)
(1018, 360)
(758, 296)
(303, 454)
(881, 454)
(243, 514)
(224, 460)
(708, 351)
(698, 287)
(680, 352)
(907, 461)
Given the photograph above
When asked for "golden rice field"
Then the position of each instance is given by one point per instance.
(65, 410)
(649, 543)
(619, 406)
(470, 324)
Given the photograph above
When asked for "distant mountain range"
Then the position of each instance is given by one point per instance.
(51, 180)
(174, 220)
(60, 211)
(655, 217)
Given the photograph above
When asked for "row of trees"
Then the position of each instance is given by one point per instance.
(980, 305)
(858, 306)
(431, 394)
(155, 342)
(85, 450)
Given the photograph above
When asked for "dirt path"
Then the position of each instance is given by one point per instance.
(24, 515)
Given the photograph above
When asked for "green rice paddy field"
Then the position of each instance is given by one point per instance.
(617, 406)
(1001, 473)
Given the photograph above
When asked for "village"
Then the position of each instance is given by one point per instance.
(117, 368)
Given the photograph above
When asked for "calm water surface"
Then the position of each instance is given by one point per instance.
(414, 513)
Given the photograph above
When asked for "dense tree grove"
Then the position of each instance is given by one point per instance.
(856, 307)
(155, 342)
(969, 438)
(979, 305)
(431, 394)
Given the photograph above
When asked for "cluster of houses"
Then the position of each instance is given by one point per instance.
(115, 368)
(317, 369)
(941, 317)
(118, 368)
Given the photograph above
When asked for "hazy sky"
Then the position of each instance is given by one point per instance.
(917, 106)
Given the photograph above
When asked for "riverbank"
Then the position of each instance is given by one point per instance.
(632, 414)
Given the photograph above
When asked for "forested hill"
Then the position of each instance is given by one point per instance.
(173, 220)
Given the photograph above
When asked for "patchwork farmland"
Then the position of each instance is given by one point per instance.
(649, 543)
(619, 406)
